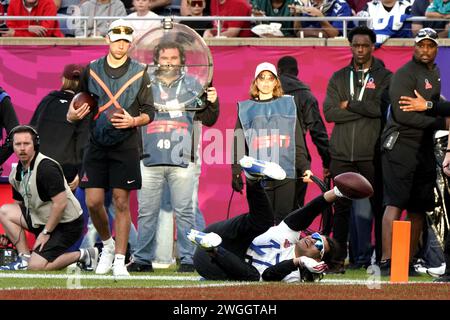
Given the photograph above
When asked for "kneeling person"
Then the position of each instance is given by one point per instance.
(44, 205)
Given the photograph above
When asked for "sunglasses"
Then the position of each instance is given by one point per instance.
(119, 30)
(427, 32)
(194, 3)
(319, 243)
(269, 77)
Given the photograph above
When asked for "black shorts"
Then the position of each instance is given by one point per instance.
(409, 177)
(62, 238)
(111, 167)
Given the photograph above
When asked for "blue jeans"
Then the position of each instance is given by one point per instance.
(149, 197)
(361, 232)
(164, 234)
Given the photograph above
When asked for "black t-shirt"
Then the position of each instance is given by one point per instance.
(50, 180)
(198, 26)
(117, 72)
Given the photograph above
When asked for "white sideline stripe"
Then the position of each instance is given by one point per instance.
(183, 278)
(92, 277)
(232, 284)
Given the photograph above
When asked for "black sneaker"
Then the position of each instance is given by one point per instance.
(186, 268)
(385, 268)
(412, 271)
(443, 278)
(137, 267)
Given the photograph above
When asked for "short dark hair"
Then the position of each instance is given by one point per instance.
(362, 30)
(163, 45)
(287, 65)
(330, 257)
(21, 129)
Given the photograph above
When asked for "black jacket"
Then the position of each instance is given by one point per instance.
(357, 129)
(308, 115)
(8, 120)
(59, 139)
(416, 128)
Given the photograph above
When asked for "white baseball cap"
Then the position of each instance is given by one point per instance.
(265, 66)
(120, 30)
(427, 33)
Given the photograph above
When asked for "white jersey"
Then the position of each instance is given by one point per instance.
(388, 24)
(275, 245)
(142, 26)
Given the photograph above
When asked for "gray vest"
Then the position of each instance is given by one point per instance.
(269, 129)
(103, 131)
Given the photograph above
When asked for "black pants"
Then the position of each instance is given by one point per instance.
(237, 235)
(281, 196)
(231, 262)
(341, 220)
(300, 193)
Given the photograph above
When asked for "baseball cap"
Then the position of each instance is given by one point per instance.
(120, 30)
(72, 71)
(427, 33)
(265, 66)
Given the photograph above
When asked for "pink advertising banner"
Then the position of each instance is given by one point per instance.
(28, 73)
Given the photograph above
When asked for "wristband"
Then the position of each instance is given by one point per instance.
(447, 151)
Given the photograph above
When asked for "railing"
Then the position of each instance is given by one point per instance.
(76, 22)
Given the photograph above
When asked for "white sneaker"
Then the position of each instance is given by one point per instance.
(205, 240)
(119, 270)
(254, 169)
(106, 260)
(20, 264)
(91, 259)
(437, 272)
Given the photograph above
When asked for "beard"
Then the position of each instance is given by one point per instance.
(168, 72)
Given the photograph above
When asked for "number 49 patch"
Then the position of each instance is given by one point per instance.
(163, 144)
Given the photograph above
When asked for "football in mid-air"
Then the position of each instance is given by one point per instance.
(83, 97)
(353, 185)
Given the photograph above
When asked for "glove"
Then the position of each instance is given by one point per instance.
(312, 265)
(236, 183)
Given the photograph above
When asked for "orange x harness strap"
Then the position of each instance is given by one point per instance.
(113, 98)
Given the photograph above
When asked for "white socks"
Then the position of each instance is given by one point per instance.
(119, 259)
(109, 244)
(83, 255)
(24, 256)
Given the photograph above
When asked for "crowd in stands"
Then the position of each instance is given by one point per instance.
(388, 18)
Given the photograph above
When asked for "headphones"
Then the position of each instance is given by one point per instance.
(168, 45)
(23, 128)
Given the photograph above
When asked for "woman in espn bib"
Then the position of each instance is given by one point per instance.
(267, 129)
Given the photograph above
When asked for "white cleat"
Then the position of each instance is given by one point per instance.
(205, 240)
(437, 272)
(254, 168)
(105, 262)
